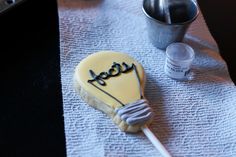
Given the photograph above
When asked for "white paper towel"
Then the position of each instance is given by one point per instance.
(192, 119)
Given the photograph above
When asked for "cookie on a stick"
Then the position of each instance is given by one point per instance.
(113, 83)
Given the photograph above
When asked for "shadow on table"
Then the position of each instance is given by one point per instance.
(213, 68)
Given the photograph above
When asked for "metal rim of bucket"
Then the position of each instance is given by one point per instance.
(164, 23)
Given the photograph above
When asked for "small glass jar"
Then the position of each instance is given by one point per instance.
(179, 57)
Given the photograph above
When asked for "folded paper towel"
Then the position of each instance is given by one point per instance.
(195, 118)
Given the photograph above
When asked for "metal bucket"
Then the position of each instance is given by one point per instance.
(161, 33)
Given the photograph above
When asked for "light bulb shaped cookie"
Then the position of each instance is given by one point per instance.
(113, 83)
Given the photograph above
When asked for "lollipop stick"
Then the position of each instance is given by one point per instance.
(155, 141)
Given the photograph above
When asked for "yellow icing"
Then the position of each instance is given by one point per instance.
(125, 87)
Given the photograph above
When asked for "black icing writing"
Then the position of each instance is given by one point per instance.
(115, 70)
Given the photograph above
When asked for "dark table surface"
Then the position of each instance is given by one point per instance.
(221, 20)
(31, 115)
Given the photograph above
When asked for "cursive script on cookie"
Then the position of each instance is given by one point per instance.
(115, 70)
